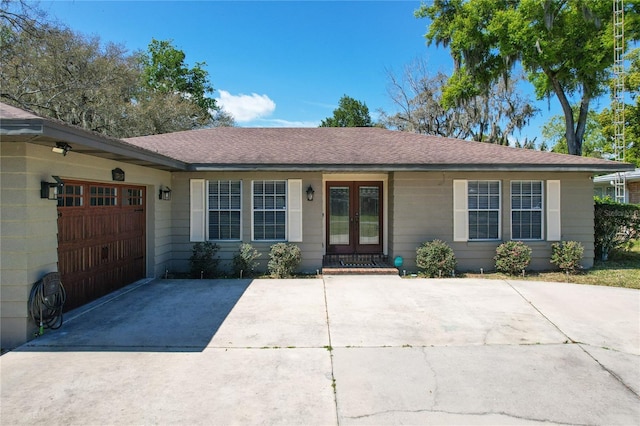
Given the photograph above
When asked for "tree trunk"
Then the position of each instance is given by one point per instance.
(581, 125)
(574, 132)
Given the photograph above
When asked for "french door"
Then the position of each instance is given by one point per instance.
(354, 217)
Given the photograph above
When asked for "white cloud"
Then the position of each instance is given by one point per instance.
(245, 108)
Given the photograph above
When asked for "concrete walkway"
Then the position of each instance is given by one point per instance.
(335, 350)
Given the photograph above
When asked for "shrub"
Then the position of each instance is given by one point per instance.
(284, 259)
(244, 262)
(567, 255)
(512, 257)
(615, 225)
(436, 258)
(202, 262)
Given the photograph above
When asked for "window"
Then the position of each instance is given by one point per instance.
(483, 206)
(132, 197)
(103, 196)
(224, 209)
(269, 209)
(215, 210)
(71, 196)
(526, 210)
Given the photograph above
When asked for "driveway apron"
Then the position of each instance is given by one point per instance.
(335, 350)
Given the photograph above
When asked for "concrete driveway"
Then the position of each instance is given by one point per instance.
(335, 350)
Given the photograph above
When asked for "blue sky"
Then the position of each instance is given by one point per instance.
(277, 64)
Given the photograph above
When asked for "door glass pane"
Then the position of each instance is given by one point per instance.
(369, 215)
(338, 215)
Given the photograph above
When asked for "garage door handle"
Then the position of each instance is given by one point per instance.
(138, 210)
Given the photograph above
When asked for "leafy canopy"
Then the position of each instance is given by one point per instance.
(350, 113)
(631, 112)
(564, 46)
(164, 70)
(59, 73)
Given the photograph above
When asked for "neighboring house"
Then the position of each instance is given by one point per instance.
(374, 192)
(603, 186)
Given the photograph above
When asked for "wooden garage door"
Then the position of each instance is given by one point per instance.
(101, 239)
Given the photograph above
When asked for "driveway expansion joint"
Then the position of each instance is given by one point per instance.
(569, 339)
(463, 413)
(613, 374)
(330, 349)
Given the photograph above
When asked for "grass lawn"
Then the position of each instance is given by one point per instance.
(621, 270)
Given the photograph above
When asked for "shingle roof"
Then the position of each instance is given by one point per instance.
(351, 148)
(323, 148)
(8, 111)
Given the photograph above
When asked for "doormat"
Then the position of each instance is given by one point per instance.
(358, 264)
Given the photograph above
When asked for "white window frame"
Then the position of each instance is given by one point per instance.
(498, 210)
(275, 209)
(541, 209)
(209, 209)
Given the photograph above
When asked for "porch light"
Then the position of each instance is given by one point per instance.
(310, 192)
(50, 190)
(61, 148)
(164, 194)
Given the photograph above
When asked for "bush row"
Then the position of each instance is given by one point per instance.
(283, 260)
(436, 259)
(616, 224)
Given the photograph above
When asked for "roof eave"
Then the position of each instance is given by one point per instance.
(206, 167)
(92, 143)
(112, 146)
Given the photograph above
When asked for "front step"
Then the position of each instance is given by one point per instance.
(357, 264)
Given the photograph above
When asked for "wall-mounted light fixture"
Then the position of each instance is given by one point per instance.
(310, 193)
(50, 190)
(164, 194)
(61, 148)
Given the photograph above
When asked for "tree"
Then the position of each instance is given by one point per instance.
(564, 46)
(595, 144)
(58, 73)
(631, 113)
(21, 15)
(350, 113)
(223, 119)
(489, 118)
(164, 71)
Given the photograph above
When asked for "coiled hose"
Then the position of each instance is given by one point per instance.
(46, 302)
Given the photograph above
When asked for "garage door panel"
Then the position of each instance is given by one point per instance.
(101, 243)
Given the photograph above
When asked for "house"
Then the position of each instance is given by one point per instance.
(603, 186)
(107, 212)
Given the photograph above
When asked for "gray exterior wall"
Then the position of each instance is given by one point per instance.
(422, 210)
(28, 224)
(312, 246)
(418, 208)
